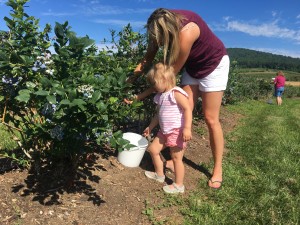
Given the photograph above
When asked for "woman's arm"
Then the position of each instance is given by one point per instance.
(148, 58)
(188, 35)
(183, 103)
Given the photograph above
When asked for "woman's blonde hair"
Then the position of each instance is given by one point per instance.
(161, 73)
(163, 27)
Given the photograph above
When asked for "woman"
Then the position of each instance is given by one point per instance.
(189, 44)
(279, 83)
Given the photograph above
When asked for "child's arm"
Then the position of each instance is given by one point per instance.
(153, 123)
(140, 96)
(145, 93)
(183, 102)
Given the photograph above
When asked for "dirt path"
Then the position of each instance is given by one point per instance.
(107, 193)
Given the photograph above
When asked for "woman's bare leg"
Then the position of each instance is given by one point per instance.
(211, 104)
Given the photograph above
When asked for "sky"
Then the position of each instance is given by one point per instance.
(262, 25)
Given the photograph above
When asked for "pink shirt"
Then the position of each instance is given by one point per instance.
(279, 81)
(170, 114)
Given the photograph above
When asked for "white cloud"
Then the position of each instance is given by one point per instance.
(110, 10)
(57, 14)
(274, 13)
(120, 22)
(265, 30)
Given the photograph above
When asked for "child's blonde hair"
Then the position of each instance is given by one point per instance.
(161, 73)
(280, 73)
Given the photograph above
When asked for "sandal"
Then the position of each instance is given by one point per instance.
(215, 181)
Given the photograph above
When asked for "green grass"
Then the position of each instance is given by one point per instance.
(261, 170)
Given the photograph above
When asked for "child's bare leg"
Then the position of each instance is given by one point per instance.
(154, 149)
(170, 165)
(177, 157)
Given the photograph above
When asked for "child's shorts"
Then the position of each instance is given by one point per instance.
(173, 139)
(279, 91)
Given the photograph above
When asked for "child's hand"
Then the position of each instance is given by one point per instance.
(127, 101)
(146, 132)
(186, 134)
(130, 100)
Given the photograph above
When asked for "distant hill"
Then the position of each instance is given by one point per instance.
(247, 58)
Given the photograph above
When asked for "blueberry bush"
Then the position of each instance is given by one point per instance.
(66, 103)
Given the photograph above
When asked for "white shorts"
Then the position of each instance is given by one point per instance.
(216, 81)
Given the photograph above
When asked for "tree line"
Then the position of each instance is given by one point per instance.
(247, 58)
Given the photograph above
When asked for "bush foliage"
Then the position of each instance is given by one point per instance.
(68, 103)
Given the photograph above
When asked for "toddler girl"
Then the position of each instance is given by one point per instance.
(174, 116)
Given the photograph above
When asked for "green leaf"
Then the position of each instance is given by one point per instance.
(51, 99)
(65, 102)
(60, 91)
(30, 84)
(9, 22)
(86, 41)
(104, 117)
(15, 58)
(96, 96)
(113, 100)
(101, 106)
(41, 93)
(45, 82)
(78, 101)
(24, 95)
(59, 31)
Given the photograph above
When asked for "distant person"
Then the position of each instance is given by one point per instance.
(174, 116)
(279, 83)
(188, 43)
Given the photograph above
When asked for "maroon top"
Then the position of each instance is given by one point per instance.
(279, 81)
(207, 51)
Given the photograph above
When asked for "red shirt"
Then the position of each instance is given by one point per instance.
(207, 51)
(279, 81)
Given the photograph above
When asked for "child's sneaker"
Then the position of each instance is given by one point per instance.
(154, 176)
(174, 190)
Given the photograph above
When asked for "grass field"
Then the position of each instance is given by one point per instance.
(261, 170)
(269, 74)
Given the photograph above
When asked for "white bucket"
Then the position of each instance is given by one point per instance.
(132, 157)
